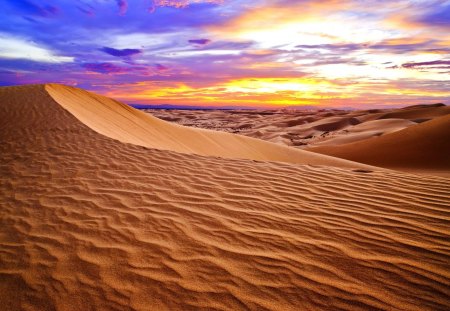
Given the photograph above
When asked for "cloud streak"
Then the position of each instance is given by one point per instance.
(427, 64)
(123, 6)
(121, 52)
(199, 41)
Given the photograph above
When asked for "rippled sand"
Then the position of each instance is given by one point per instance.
(91, 223)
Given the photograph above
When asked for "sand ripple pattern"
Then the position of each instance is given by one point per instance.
(89, 223)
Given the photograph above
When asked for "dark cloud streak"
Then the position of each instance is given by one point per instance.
(31, 8)
(431, 64)
(122, 52)
(123, 6)
(199, 41)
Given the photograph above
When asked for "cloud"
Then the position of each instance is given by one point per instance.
(180, 4)
(123, 6)
(112, 68)
(160, 67)
(106, 68)
(431, 64)
(18, 48)
(120, 52)
(440, 17)
(199, 41)
(338, 46)
(87, 9)
(31, 8)
(397, 46)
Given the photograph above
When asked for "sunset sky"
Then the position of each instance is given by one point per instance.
(330, 53)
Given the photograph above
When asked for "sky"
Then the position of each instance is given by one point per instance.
(258, 53)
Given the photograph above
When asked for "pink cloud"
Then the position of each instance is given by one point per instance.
(179, 4)
(123, 6)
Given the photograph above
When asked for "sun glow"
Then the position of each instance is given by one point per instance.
(272, 85)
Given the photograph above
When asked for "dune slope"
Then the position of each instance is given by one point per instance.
(425, 146)
(119, 121)
(90, 223)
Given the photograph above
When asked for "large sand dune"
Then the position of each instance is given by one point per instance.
(88, 222)
(424, 146)
(121, 122)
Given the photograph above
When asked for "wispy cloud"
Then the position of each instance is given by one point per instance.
(36, 8)
(199, 41)
(431, 64)
(18, 48)
(182, 3)
(123, 6)
(121, 52)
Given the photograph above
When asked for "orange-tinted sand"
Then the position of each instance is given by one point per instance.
(91, 220)
(303, 128)
(425, 146)
(128, 125)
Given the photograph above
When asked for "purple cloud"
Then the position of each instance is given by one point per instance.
(120, 53)
(426, 64)
(123, 6)
(381, 46)
(160, 67)
(88, 10)
(107, 68)
(33, 9)
(111, 68)
(199, 41)
(440, 16)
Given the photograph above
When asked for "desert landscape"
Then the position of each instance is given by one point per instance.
(105, 207)
(341, 133)
(224, 155)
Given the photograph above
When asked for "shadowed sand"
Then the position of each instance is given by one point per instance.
(425, 146)
(88, 222)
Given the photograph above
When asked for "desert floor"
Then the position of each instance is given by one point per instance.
(104, 207)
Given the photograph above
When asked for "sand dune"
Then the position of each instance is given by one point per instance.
(88, 222)
(363, 131)
(306, 128)
(423, 146)
(119, 121)
(354, 135)
(418, 112)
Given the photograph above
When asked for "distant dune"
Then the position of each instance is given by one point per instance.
(365, 136)
(424, 146)
(302, 129)
(95, 215)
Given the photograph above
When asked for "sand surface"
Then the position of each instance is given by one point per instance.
(121, 122)
(88, 222)
(422, 146)
(306, 128)
(407, 139)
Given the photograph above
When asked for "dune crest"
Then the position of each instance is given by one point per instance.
(126, 124)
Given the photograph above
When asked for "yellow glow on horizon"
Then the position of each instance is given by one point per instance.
(245, 91)
(273, 85)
